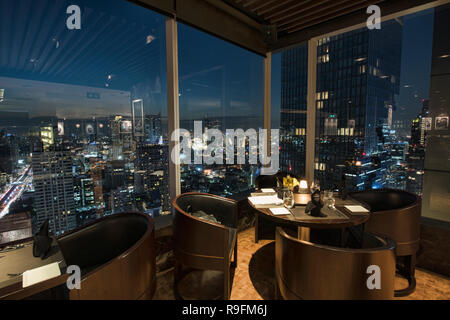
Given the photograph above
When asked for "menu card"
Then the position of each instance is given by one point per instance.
(31, 277)
(265, 200)
(268, 190)
(356, 209)
(279, 211)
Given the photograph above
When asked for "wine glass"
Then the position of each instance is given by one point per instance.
(329, 200)
(315, 185)
(288, 199)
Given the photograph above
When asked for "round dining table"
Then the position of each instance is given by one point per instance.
(346, 213)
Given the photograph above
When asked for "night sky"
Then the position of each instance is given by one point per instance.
(216, 77)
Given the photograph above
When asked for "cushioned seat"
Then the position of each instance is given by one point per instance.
(305, 270)
(201, 243)
(101, 242)
(264, 228)
(118, 250)
(396, 214)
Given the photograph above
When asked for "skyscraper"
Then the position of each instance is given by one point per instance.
(358, 75)
(152, 176)
(293, 110)
(54, 191)
(416, 151)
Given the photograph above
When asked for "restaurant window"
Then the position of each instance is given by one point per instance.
(373, 118)
(293, 74)
(221, 87)
(83, 114)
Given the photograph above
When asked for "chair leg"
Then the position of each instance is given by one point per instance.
(277, 291)
(226, 282)
(235, 259)
(256, 227)
(176, 278)
(409, 273)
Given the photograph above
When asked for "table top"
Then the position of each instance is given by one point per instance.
(336, 219)
(19, 260)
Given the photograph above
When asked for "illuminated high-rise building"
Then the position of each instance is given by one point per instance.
(54, 191)
(358, 75)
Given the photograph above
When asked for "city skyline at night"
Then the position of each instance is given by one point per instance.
(95, 102)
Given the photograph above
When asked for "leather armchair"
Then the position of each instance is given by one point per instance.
(305, 270)
(264, 228)
(116, 255)
(202, 244)
(396, 214)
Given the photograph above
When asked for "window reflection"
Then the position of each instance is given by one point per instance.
(83, 116)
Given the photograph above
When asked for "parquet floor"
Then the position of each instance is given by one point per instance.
(254, 278)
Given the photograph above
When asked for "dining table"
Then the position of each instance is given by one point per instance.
(17, 259)
(344, 214)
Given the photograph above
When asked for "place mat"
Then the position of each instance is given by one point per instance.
(299, 214)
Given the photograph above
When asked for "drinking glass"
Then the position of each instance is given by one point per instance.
(315, 185)
(328, 198)
(288, 199)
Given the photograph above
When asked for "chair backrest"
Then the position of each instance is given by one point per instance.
(102, 240)
(395, 214)
(197, 237)
(266, 181)
(272, 180)
(309, 271)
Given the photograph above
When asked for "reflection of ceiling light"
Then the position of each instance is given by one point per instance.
(56, 43)
(110, 76)
(384, 77)
(2, 95)
(444, 56)
(360, 59)
(407, 86)
(149, 39)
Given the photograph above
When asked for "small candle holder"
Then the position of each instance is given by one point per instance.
(302, 194)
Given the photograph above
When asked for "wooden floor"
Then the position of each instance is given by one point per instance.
(254, 278)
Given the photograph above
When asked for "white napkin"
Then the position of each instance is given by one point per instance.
(268, 190)
(357, 209)
(40, 274)
(279, 211)
(265, 200)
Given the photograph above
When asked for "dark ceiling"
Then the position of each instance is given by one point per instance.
(36, 44)
(290, 16)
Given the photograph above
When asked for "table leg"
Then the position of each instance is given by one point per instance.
(342, 237)
(256, 227)
(304, 233)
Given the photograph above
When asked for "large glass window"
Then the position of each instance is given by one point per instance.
(373, 91)
(293, 108)
(83, 113)
(221, 86)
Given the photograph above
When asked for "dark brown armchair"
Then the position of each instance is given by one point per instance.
(265, 228)
(308, 271)
(205, 244)
(116, 255)
(396, 214)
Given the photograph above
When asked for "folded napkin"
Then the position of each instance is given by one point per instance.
(356, 209)
(279, 211)
(40, 274)
(265, 200)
